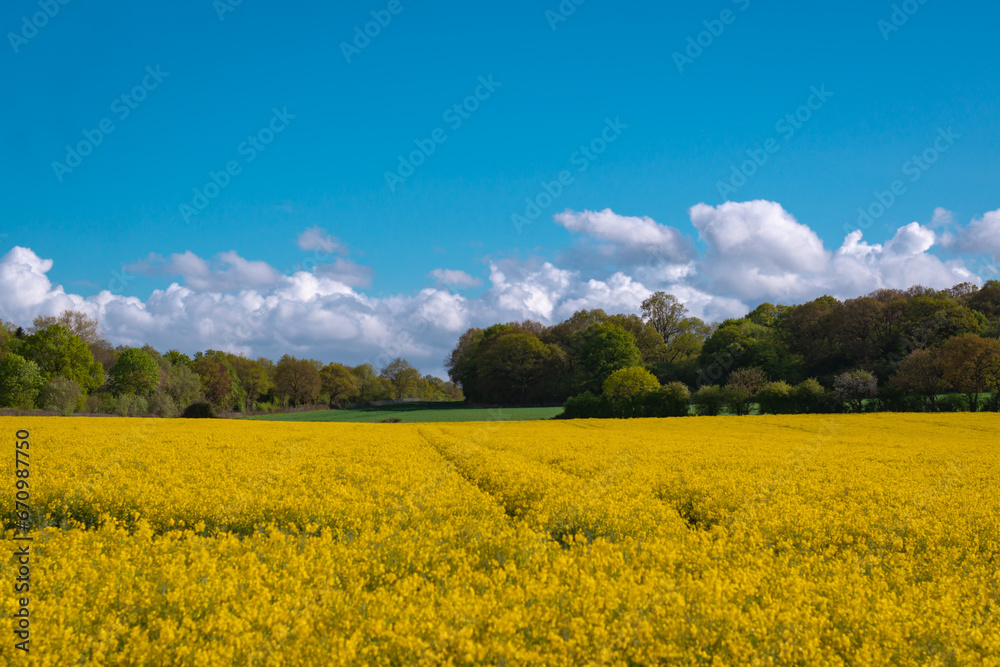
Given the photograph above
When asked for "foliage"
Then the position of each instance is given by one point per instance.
(853, 388)
(709, 400)
(135, 372)
(61, 395)
(402, 377)
(130, 405)
(162, 405)
(629, 383)
(200, 410)
(742, 389)
(776, 398)
(20, 382)
(586, 406)
(60, 353)
(609, 349)
(216, 383)
(297, 379)
(337, 382)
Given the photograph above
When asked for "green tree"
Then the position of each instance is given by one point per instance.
(253, 378)
(709, 400)
(61, 395)
(609, 349)
(742, 389)
(298, 379)
(921, 374)
(629, 383)
(665, 313)
(402, 377)
(338, 383)
(135, 372)
(854, 387)
(60, 353)
(20, 382)
(970, 363)
(509, 365)
(216, 383)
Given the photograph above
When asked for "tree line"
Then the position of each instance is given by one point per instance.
(64, 364)
(900, 350)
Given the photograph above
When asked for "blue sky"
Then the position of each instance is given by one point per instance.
(892, 89)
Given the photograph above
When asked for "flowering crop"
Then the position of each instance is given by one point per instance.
(848, 539)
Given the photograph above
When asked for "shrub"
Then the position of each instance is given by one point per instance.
(200, 410)
(671, 400)
(586, 406)
(854, 387)
(742, 388)
(61, 395)
(130, 405)
(953, 403)
(92, 404)
(629, 383)
(776, 398)
(709, 400)
(809, 397)
(162, 405)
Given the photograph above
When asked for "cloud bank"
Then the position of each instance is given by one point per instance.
(753, 251)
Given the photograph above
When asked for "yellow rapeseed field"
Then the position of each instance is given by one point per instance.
(812, 540)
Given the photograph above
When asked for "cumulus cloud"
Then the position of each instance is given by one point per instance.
(758, 251)
(317, 238)
(452, 278)
(982, 236)
(227, 273)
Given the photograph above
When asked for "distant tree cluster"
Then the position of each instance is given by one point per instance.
(901, 350)
(64, 364)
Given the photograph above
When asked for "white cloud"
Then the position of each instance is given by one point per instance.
(982, 236)
(227, 273)
(317, 238)
(453, 278)
(757, 251)
(942, 218)
(628, 232)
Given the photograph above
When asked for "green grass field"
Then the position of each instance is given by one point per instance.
(418, 412)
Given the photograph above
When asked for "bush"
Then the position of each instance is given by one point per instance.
(776, 398)
(161, 405)
(200, 410)
(61, 395)
(671, 400)
(809, 397)
(130, 405)
(92, 404)
(629, 383)
(853, 388)
(709, 400)
(586, 406)
(953, 403)
(893, 399)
